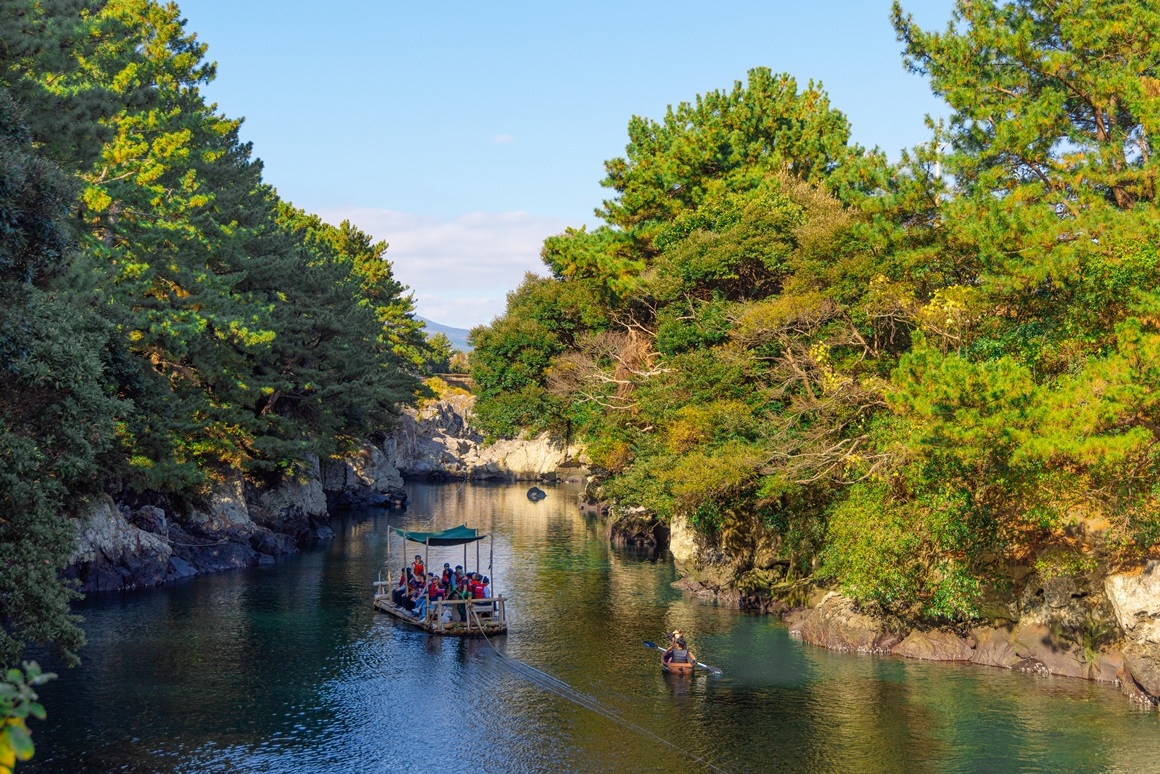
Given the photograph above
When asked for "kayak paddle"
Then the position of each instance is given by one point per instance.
(711, 669)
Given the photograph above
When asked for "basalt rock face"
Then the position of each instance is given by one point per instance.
(360, 480)
(837, 625)
(437, 440)
(724, 563)
(113, 553)
(637, 528)
(1135, 598)
(242, 525)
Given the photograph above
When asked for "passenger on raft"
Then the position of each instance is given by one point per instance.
(402, 591)
(418, 568)
(678, 652)
(460, 580)
(432, 591)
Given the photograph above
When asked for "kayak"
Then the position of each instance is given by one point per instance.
(676, 669)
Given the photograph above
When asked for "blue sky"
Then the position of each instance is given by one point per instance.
(464, 133)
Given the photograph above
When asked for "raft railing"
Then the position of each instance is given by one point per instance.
(491, 610)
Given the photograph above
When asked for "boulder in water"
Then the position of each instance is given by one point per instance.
(535, 493)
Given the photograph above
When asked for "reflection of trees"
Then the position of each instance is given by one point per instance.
(240, 659)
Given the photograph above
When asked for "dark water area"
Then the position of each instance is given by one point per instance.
(289, 669)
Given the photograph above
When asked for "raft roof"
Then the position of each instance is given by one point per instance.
(456, 536)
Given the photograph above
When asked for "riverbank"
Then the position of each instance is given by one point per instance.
(287, 668)
(1095, 623)
(131, 545)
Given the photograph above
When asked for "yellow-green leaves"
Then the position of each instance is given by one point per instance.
(17, 703)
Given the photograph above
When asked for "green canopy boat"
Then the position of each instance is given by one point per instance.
(457, 617)
(456, 536)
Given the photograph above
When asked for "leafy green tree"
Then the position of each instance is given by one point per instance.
(994, 436)
(57, 417)
(164, 314)
(439, 354)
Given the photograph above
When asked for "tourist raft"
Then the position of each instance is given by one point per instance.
(453, 617)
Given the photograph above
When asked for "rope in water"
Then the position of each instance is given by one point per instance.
(567, 692)
(443, 507)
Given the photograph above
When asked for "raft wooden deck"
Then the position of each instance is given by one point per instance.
(477, 617)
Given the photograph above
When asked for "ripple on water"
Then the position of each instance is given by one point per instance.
(287, 669)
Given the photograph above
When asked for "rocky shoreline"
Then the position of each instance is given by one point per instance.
(1095, 625)
(121, 547)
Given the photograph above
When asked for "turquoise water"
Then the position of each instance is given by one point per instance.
(288, 669)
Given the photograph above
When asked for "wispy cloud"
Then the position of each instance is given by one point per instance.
(459, 269)
(502, 139)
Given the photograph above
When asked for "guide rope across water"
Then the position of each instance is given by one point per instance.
(564, 691)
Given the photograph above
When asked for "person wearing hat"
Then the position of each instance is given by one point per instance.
(487, 591)
(458, 578)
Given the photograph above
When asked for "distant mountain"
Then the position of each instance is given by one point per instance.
(458, 336)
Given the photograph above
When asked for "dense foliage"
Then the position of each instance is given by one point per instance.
(904, 377)
(164, 316)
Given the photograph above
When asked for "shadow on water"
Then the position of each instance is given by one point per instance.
(287, 668)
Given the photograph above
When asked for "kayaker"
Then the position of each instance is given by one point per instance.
(678, 653)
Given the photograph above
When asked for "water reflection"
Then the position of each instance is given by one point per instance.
(287, 668)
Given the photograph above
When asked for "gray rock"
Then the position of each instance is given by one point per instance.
(1136, 601)
(217, 557)
(289, 506)
(113, 554)
(179, 568)
(151, 519)
(1143, 663)
(437, 440)
(364, 479)
(637, 528)
(273, 543)
(836, 625)
(993, 647)
(935, 645)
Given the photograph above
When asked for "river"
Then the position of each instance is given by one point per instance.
(288, 669)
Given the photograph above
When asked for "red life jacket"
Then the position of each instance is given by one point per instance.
(477, 590)
(418, 569)
(435, 592)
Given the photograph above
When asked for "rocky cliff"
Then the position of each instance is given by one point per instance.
(244, 525)
(241, 526)
(437, 440)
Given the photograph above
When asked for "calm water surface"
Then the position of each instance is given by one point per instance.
(288, 669)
